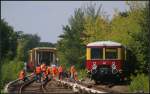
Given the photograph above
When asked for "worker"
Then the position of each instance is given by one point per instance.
(54, 71)
(72, 72)
(38, 73)
(43, 67)
(22, 75)
(60, 71)
(48, 71)
(44, 72)
(75, 76)
(32, 75)
(45, 76)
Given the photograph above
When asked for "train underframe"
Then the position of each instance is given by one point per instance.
(101, 74)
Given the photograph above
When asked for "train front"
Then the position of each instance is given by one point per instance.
(104, 60)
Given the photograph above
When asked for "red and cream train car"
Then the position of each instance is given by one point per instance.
(104, 60)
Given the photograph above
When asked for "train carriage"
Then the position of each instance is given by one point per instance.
(40, 55)
(104, 60)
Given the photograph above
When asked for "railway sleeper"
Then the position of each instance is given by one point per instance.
(77, 88)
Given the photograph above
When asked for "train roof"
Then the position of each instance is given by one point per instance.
(104, 43)
(44, 48)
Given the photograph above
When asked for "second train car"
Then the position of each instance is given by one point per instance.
(40, 55)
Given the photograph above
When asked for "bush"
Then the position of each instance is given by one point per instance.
(139, 83)
(82, 74)
(10, 71)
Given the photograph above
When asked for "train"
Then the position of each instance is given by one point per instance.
(41, 55)
(105, 61)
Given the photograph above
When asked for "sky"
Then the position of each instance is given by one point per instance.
(46, 18)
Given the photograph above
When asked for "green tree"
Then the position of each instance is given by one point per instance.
(8, 40)
(70, 46)
(143, 50)
(25, 43)
(46, 44)
(96, 24)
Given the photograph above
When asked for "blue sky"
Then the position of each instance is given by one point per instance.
(46, 18)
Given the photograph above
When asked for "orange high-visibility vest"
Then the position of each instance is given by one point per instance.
(38, 70)
(48, 70)
(51, 72)
(76, 76)
(43, 67)
(21, 75)
(72, 69)
(60, 69)
(54, 69)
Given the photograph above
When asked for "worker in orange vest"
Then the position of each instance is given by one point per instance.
(45, 76)
(43, 67)
(60, 71)
(22, 75)
(76, 76)
(44, 72)
(54, 71)
(72, 71)
(38, 73)
(48, 72)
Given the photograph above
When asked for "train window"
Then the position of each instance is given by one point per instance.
(46, 57)
(96, 53)
(111, 53)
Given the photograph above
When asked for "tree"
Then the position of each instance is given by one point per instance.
(70, 46)
(46, 44)
(96, 25)
(143, 50)
(25, 43)
(8, 41)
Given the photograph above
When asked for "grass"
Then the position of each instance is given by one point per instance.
(139, 83)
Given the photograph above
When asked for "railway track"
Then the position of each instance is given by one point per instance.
(51, 87)
(16, 86)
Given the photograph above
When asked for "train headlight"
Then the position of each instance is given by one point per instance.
(94, 66)
(114, 70)
(113, 66)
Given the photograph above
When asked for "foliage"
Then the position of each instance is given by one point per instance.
(8, 41)
(25, 43)
(46, 44)
(9, 71)
(13, 51)
(82, 74)
(96, 24)
(143, 38)
(139, 83)
(70, 46)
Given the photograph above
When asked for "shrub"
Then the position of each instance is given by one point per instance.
(139, 83)
(9, 71)
(82, 74)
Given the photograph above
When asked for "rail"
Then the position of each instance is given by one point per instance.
(77, 87)
(6, 89)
